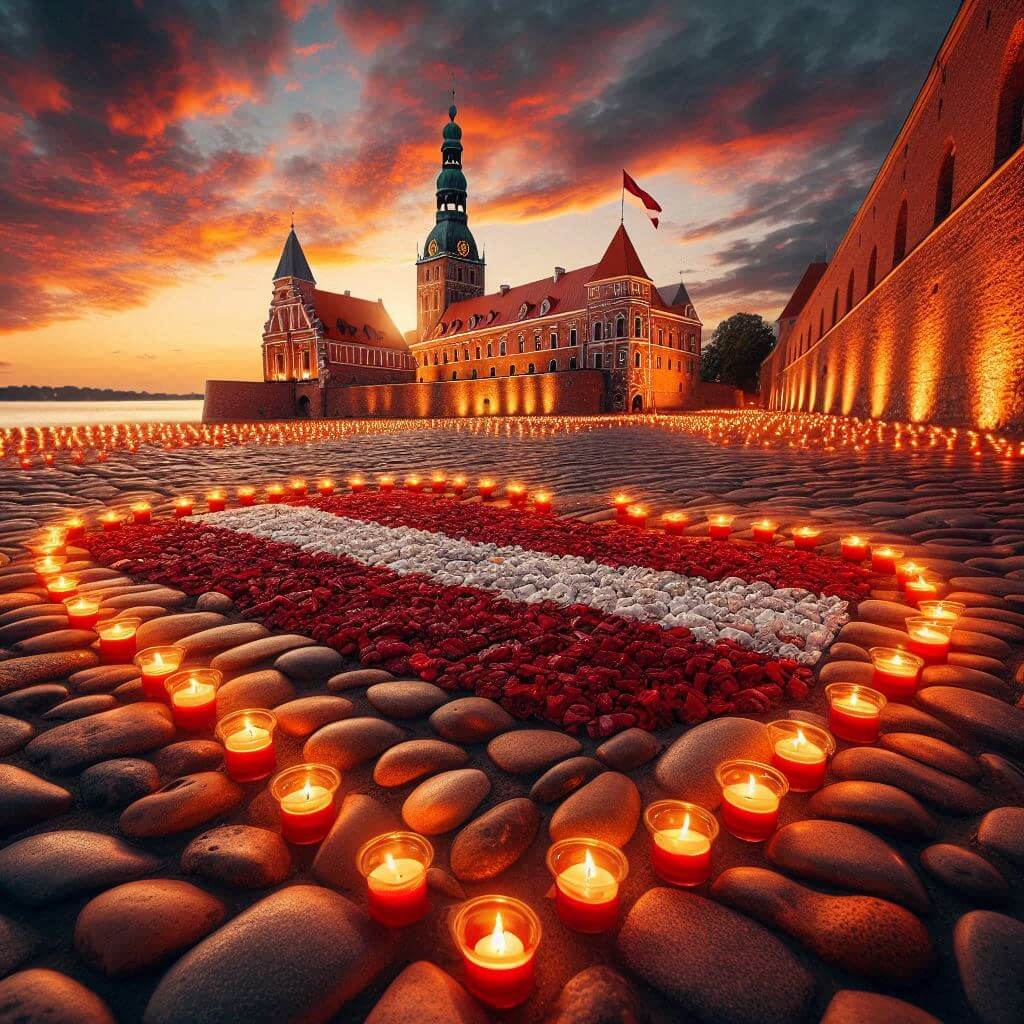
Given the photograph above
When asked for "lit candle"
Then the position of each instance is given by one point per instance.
(587, 875)
(193, 698)
(117, 640)
(248, 738)
(356, 484)
(59, 588)
(275, 494)
(385, 484)
(413, 483)
(486, 488)
(636, 516)
(942, 611)
(751, 794)
(298, 487)
(764, 531)
(395, 868)
(621, 502)
(884, 559)
(157, 664)
(142, 512)
(305, 797)
(896, 672)
(801, 752)
(681, 838)
(805, 538)
(325, 487)
(720, 526)
(907, 570)
(920, 589)
(82, 613)
(246, 496)
(854, 712)
(930, 638)
(438, 483)
(49, 566)
(183, 506)
(216, 501)
(542, 502)
(498, 938)
(110, 521)
(458, 485)
(516, 494)
(675, 523)
(75, 527)
(855, 548)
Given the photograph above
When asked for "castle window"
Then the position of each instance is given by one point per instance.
(944, 185)
(473, 374)
(478, 351)
(554, 339)
(536, 342)
(637, 327)
(821, 323)
(1010, 111)
(661, 335)
(531, 368)
(899, 242)
(458, 273)
(455, 355)
(512, 370)
(572, 362)
(597, 330)
(552, 366)
(490, 349)
(501, 348)
(670, 364)
(669, 339)
(572, 336)
(597, 361)
(659, 362)
(455, 374)
(620, 327)
(435, 359)
(522, 343)
(872, 268)
(465, 354)
(444, 358)
(636, 359)
(493, 372)
(835, 307)
(545, 307)
(849, 292)
(472, 277)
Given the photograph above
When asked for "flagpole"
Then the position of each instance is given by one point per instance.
(622, 207)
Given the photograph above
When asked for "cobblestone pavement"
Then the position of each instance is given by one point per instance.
(901, 877)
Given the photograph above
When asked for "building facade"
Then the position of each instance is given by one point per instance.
(918, 316)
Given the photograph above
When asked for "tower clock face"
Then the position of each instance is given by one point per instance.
(462, 248)
(432, 248)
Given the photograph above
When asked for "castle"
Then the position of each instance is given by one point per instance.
(918, 315)
(600, 338)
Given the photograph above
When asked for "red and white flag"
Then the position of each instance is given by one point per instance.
(650, 204)
(596, 627)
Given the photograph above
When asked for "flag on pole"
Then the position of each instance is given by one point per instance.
(651, 206)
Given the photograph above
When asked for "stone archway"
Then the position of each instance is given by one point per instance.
(304, 407)
(637, 405)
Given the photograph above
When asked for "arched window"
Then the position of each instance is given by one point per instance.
(474, 375)
(490, 349)
(1010, 111)
(835, 307)
(553, 366)
(821, 323)
(944, 185)
(872, 268)
(597, 330)
(478, 351)
(597, 361)
(455, 374)
(620, 327)
(659, 362)
(501, 348)
(512, 370)
(637, 327)
(572, 362)
(636, 359)
(849, 293)
(493, 372)
(899, 242)
(531, 368)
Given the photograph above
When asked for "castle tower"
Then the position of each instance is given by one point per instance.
(291, 340)
(450, 268)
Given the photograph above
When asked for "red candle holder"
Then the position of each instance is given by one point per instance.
(920, 589)
(907, 570)
(896, 672)
(298, 487)
(587, 873)
(720, 526)
(516, 495)
(414, 484)
(930, 638)
(110, 521)
(216, 501)
(458, 485)
(395, 868)
(855, 548)
(854, 711)
(486, 488)
(305, 798)
(805, 538)
(356, 484)
(49, 566)
(61, 588)
(248, 738)
(75, 528)
(142, 513)
(246, 496)
(884, 559)
(192, 695)
(385, 484)
(542, 503)
(325, 487)
(764, 531)
(751, 795)
(183, 506)
(682, 835)
(117, 640)
(621, 502)
(801, 751)
(498, 938)
(636, 516)
(275, 494)
(157, 665)
(82, 612)
(942, 611)
(675, 523)
(438, 483)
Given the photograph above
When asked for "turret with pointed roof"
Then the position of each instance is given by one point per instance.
(293, 261)
(620, 258)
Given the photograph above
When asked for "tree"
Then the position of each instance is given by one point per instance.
(736, 350)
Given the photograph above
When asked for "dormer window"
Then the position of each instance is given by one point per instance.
(545, 307)
(472, 321)
(523, 310)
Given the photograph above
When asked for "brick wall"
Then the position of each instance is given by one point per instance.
(228, 401)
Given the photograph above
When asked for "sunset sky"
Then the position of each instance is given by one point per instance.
(150, 153)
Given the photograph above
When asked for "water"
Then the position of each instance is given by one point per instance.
(54, 414)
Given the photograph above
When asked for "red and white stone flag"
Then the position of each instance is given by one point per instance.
(596, 627)
(650, 204)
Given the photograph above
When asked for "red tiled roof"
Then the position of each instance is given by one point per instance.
(812, 275)
(567, 293)
(360, 321)
(619, 258)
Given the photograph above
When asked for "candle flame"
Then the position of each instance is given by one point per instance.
(498, 935)
(588, 867)
(390, 861)
(854, 698)
(684, 829)
(158, 661)
(307, 792)
(751, 785)
(800, 740)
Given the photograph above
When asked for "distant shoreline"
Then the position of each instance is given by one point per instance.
(38, 393)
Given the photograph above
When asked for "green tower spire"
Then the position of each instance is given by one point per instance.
(450, 235)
